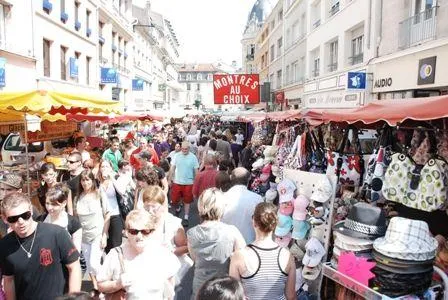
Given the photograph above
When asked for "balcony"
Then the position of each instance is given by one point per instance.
(47, 6)
(332, 67)
(356, 59)
(64, 17)
(101, 39)
(77, 25)
(120, 68)
(114, 47)
(316, 24)
(334, 9)
(418, 28)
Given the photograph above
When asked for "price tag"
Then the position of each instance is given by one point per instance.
(355, 267)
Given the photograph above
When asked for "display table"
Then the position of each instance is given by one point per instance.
(368, 293)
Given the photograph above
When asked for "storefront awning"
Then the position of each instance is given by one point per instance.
(392, 111)
(41, 102)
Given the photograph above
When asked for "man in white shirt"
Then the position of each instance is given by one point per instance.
(239, 137)
(80, 146)
(240, 204)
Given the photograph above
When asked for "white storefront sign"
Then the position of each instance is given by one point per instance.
(334, 99)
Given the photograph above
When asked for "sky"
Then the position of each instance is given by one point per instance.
(207, 30)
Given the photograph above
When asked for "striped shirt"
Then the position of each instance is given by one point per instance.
(269, 281)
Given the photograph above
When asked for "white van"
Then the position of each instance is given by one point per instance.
(13, 150)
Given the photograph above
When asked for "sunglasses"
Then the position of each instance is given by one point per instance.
(25, 216)
(143, 231)
(72, 161)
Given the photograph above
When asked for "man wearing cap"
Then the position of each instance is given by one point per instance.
(240, 204)
(184, 168)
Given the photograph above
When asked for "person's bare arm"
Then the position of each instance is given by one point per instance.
(9, 287)
(74, 276)
(70, 203)
(77, 239)
(235, 261)
(290, 287)
(180, 240)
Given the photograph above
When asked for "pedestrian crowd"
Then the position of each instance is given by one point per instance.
(122, 217)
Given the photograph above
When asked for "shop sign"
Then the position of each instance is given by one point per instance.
(73, 66)
(427, 70)
(2, 71)
(333, 100)
(236, 89)
(52, 131)
(108, 75)
(356, 80)
(6, 129)
(383, 82)
(137, 84)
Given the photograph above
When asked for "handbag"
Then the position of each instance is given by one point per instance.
(315, 153)
(376, 167)
(125, 201)
(120, 294)
(417, 186)
(348, 168)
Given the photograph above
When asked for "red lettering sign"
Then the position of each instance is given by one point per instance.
(236, 89)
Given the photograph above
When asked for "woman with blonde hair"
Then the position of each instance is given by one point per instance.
(212, 242)
(140, 266)
(91, 209)
(266, 270)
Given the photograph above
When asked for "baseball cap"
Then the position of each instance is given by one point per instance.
(271, 195)
(286, 208)
(324, 190)
(300, 229)
(284, 225)
(286, 190)
(283, 241)
(300, 207)
(13, 180)
(314, 252)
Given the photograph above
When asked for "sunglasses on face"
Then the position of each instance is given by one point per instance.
(25, 216)
(143, 231)
(72, 161)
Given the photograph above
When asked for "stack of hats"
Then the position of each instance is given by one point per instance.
(312, 259)
(285, 191)
(320, 197)
(404, 258)
(357, 232)
(300, 224)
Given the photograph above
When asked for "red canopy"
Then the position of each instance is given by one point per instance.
(392, 111)
(115, 119)
(288, 115)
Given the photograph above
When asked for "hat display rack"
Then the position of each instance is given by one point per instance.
(316, 243)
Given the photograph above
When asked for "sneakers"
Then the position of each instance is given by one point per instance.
(185, 222)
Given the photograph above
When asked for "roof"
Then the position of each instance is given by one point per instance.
(260, 11)
(196, 68)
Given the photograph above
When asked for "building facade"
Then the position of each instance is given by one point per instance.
(89, 47)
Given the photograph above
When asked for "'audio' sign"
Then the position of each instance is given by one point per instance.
(236, 89)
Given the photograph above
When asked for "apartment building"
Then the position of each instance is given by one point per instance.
(412, 50)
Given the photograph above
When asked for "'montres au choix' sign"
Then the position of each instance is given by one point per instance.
(236, 88)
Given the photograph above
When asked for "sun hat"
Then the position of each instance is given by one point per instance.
(323, 191)
(364, 221)
(351, 241)
(283, 226)
(265, 173)
(314, 253)
(286, 208)
(407, 239)
(299, 229)
(13, 180)
(311, 273)
(285, 190)
(300, 208)
(283, 241)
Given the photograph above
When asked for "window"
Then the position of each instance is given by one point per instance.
(334, 7)
(101, 25)
(88, 13)
(188, 86)
(114, 35)
(316, 65)
(287, 78)
(199, 76)
(77, 56)
(62, 6)
(188, 76)
(295, 31)
(333, 59)
(279, 78)
(88, 59)
(77, 11)
(279, 46)
(46, 52)
(63, 63)
(210, 77)
(198, 87)
(272, 53)
(280, 15)
(357, 50)
(295, 71)
(2, 27)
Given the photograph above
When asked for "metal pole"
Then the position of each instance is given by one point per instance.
(26, 157)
